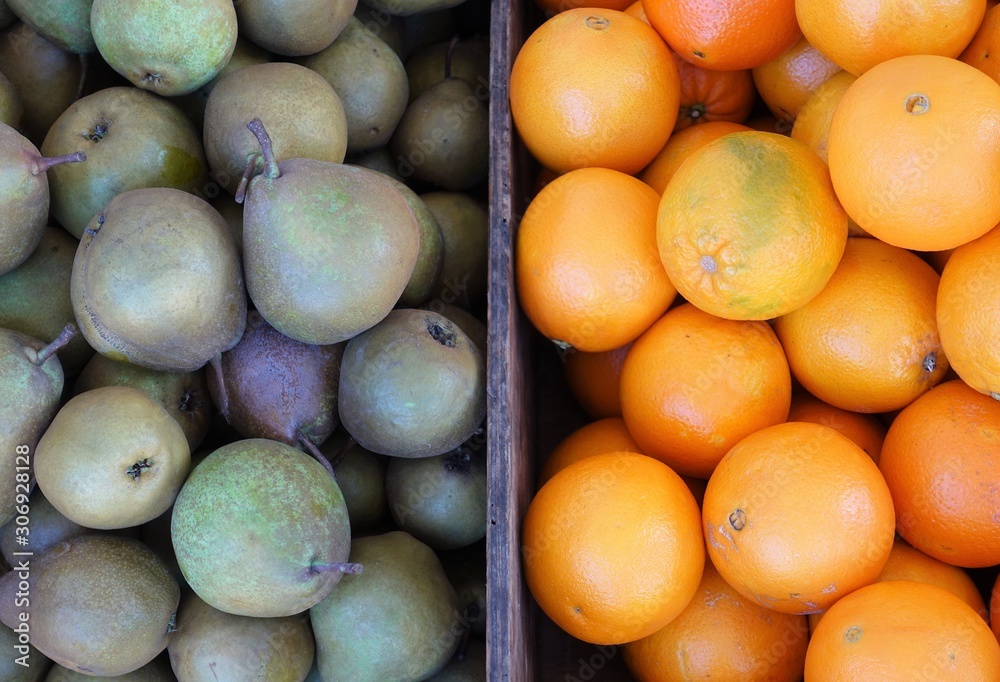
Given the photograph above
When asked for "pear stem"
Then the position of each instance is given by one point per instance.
(216, 364)
(65, 336)
(317, 455)
(448, 54)
(43, 163)
(348, 568)
(342, 452)
(256, 127)
(241, 189)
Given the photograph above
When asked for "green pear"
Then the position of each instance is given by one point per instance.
(465, 227)
(466, 321)
(293, 29)
(47, 528)
(380, 160)
(361, 476)
(170, 47)
(22, 662)
(430, 260)
(470, 61)
(63, 22)
(11, 104)
(386, 27)
(155, 671)
(467, 666)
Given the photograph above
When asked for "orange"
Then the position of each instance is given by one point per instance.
(708, 95)
(914, 152)
(770, 124)
(869, 341)
(907, 563)
(551, 7)
(859, 34)
(796, 516)
(680, 146)
(596, 438)
(694, 385)
(984, 50)
(864, 430)
(636, 10)
(812, 125)
(941, 460)
(995, 608)
(786, 82)
(749, 227)
(725, 35)
(902, 630)
(585, 262)
(968, 312)
(595, 380)
(594, 87)
(612, 547)
(722, 635)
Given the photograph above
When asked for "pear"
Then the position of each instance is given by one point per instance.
(426, 274)
(232, 212)
(466, 321)
(6, 16)
(156, 670)
(34, 297)
(31, 381)
(293, 29)
(304, 115)
(426, 28)
(279, 388)
(396, 622)
(47, 78)
(260, 529)
(361, 476)
(48, 527)
(133, 139)
(22, 662)
(99, 604)
(63, 22)
(470, 61)
(165, 46)
(11, 105)
(211, 645)
(412, 386)
(370, 80)
(405, 8)
(327, 248)
(467, 666)
(157, 281)
(24, 189)
(465, 227)
(112, 458)
(184, 395)
(379, 159)
(466, 570)
(386, 27)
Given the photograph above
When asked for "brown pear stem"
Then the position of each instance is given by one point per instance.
(65, 336)
(463, 647)
(43, 163)
(256, 127)
(342, 452)
(216, 364)
(448, 54)
(241, 189)
(317, 455)
(348, 568)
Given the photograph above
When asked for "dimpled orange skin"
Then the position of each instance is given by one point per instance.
(586, 262)
(722, 635)
(612, 547)
(968, 312)
(680, 146)
(595, 380)
(865, 430)
(786, 82)
(902, 630)
(941, 460)
(708, 95)
(725, 35)
(815, 518)
(929, 179)
(595, 438)
(594, 88)
(983, 52)
(694, 385)
(869, 341)
(859, 34)
(749, 227)
(812, 125)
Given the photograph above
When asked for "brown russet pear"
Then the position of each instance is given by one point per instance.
(470, 61)
(99, 604)
(465, 227)
(296, 28)
(24, 195)
(327, 248)
(157, 281)
(426, 274)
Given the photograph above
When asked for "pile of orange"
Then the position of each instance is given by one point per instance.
(768, 250)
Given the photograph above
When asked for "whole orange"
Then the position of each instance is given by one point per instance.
(796, 516)
(941, 460)
(586, 260)
(812, 125)
(595, 438)
(725, 34)
(786, 82)
(708, 95)
(968, 312)
(864, 430)
(902, 630)
(868, 342)
(914, 152)
(680, 146)
(694, 385)
(551, 7)
(612, 547)
(594, 87)
(595, 380)
(636, 10)
(982, 51)
(859, 34)
(749, 227)
(722, 635)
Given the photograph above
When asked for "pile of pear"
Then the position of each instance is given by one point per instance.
(243, 272)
